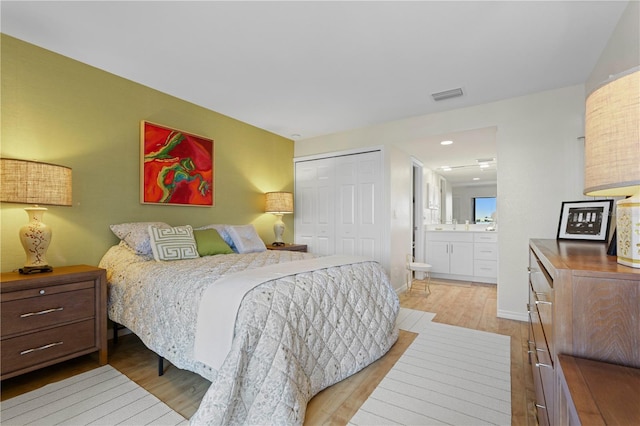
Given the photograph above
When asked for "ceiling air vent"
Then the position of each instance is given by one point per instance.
(447, 94)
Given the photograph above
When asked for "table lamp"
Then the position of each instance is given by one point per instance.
(31, 182)
(279, 203)
(612, 156)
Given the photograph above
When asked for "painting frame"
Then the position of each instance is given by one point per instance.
(586, 220)
(176, 167)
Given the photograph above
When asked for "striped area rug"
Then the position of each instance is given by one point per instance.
(102, 396)
(448, 375)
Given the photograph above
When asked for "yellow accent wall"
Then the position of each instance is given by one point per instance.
(58, 110)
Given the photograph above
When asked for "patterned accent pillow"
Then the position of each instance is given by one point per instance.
(245, 239)
(173, 243)
(136, 234)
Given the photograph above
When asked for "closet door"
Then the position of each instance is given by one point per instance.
(358, 204)
(339, 205)
(314, 201)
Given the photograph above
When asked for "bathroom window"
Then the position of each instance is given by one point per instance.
(484, 209)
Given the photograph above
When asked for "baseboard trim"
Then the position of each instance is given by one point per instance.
(517, 316)
(401, 290)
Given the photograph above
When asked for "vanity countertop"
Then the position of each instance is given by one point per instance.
(460, 230)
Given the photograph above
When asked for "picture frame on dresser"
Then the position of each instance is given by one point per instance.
(585, 220)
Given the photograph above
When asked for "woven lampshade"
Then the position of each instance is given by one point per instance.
(612, 137)
(32, 182)
(279, 202)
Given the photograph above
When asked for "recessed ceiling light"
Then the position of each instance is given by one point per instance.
(484, 165)
(446, 142)
(295, 136)
(476, 178)
(446, 168)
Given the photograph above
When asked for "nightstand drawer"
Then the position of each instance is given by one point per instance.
(48, 345)
(47, 310)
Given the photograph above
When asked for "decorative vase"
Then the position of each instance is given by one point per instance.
(35, 237)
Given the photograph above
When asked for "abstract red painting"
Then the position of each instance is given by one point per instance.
(177, 167)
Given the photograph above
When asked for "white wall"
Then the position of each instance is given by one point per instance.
(623, 49)
(400, 192)
(540, 166)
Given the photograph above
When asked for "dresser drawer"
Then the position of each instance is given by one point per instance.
(485, 237)
(47, 310)
(485, 268)
(542, 411)
(41, 347)
(485, 251)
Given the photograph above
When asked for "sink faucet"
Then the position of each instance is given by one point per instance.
(455, 222)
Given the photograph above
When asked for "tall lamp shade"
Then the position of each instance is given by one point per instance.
(31, 182)
(612, 156)
(278, 203)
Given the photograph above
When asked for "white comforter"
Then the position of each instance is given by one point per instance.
(294, 336)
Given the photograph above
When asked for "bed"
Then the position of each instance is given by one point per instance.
(306, 324)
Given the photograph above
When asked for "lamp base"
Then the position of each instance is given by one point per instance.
(35, 237)
(278, 229)
(628, 231)
(27, 270)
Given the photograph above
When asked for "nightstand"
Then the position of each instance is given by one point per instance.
(51, 317)
(289, 247)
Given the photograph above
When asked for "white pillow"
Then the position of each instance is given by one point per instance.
(173, 243)
(136, 234)
(246, 239)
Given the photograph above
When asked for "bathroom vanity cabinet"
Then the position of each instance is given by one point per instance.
(463, 255)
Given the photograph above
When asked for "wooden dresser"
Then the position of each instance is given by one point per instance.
(581, 303)
(52, 317)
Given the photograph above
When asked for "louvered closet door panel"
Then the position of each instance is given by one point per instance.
(305, 199)
(325, 237)
(346, 179)
(346, 232)
(369, 205)
(314, 205)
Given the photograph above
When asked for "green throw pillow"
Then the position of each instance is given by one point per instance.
(209, 242)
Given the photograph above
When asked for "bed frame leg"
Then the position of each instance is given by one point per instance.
(116, 327)
(160, 365)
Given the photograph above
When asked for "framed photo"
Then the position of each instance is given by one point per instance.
(585, 220)
(176, 167)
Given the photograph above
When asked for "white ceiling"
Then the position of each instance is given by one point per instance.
(302, 69)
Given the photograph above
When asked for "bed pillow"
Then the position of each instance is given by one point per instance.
(223, 231)
(175, 243)
(136, 235)
(209, 242)
(246, 239)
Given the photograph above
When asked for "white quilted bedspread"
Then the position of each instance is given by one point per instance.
(294, 336)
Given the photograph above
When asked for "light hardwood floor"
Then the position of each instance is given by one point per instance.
(455, 303)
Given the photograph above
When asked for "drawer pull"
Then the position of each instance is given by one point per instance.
(542, 298)
(46, 311)
(50, 345)
(540, 364)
